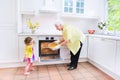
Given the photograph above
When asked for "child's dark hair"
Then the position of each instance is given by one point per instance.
(27, 40)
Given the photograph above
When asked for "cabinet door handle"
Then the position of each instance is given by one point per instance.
(102, 39)
(107, 40)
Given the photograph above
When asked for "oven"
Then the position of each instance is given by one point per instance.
(46, 53)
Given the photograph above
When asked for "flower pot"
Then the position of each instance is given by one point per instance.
(32, 31)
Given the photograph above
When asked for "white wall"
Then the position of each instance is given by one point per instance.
(47, 23)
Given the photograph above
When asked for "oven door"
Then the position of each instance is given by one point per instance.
(46, 53)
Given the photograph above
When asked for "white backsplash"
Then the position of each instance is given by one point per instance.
(47, 22)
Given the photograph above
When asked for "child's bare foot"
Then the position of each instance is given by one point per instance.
(26, 73)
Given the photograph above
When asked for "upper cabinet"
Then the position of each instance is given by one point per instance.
(26, 6)
(63, 9)
(7, 14)
(49, 6)
(36, 6)
(34, 9)
(96, 8)
(73, 6)
(83, 9)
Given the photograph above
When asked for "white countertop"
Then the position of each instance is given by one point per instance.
(104, 36)
(39, 34)
(59, 34)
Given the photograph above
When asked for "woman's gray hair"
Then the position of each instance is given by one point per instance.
(58, 22)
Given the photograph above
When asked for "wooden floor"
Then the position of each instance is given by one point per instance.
(85, 71)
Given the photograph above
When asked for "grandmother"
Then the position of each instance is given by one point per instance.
(73, 38)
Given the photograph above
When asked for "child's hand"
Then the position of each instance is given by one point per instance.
(24, 59)
(33, 42)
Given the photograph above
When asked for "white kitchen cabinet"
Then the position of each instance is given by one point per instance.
(8, 35)
(22, 45)
(9, 46)
(103, 52)
(36, 6)
(64, 53)
(73, 6)
(91, 54)
(117, 66)
(96, 9)
(85, 9)
(26, 6)
(83, 53)
(8, 13)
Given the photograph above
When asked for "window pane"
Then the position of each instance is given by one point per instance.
(70, 3)
(82, 4)
(82, 10)
(70, 10)
(65, 9)
(68, 6)
(77, 10)
(79, 6)
(66, 3)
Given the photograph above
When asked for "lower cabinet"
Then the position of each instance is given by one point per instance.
(117, 66)
(83, 53)
(91, 54)
(65, 53)
(102, 51)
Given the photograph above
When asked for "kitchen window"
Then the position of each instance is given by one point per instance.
(114, 16)
(73, 6)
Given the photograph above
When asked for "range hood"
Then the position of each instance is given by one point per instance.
(49, 6)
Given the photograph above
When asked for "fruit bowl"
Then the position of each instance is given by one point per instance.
(91, 31)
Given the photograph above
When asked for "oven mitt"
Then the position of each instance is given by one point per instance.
(57, 41)
(57, 47)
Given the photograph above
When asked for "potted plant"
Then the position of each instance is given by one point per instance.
(102, 26)
(32, 26)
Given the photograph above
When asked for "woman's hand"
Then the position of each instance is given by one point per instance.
(65, 42)
(62, 40)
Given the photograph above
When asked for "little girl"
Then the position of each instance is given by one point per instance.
(29, 55)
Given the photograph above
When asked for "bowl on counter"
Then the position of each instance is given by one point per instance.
(91, 31)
